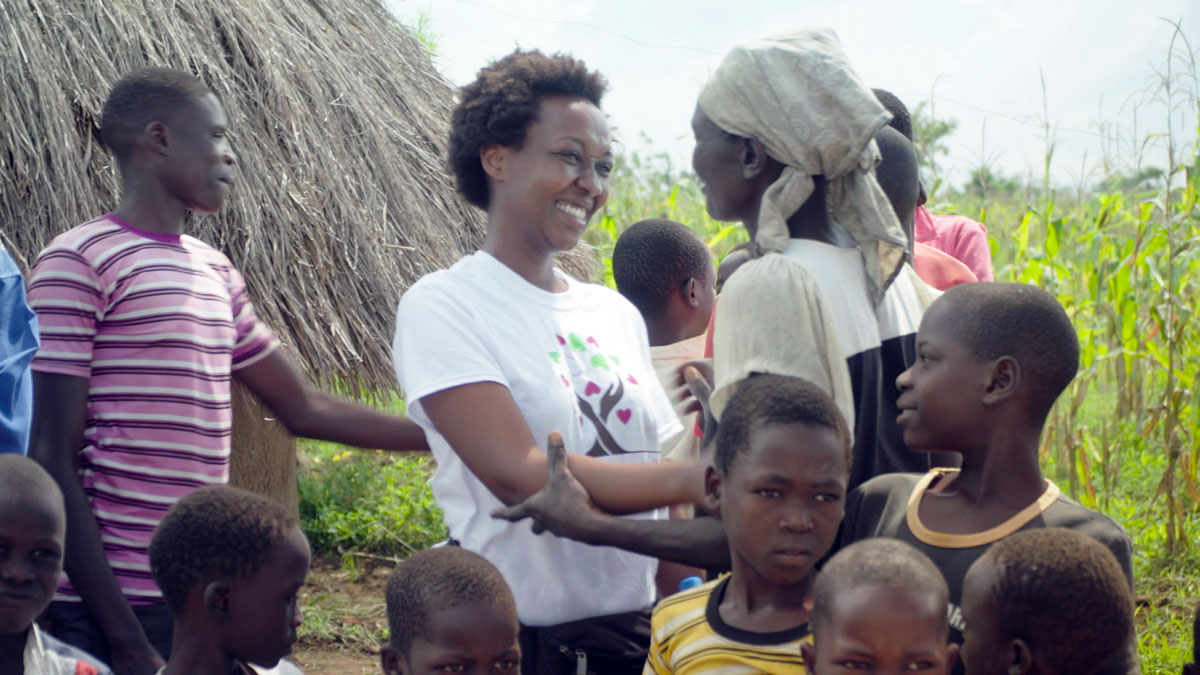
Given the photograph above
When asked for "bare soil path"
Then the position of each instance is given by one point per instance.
(345, 617)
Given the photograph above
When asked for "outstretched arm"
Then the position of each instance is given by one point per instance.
(564, 508)
(486, 429)
(278, 382)
(59, 415)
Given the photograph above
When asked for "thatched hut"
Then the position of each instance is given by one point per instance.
(339, 120)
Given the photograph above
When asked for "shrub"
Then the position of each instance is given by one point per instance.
(367, 501)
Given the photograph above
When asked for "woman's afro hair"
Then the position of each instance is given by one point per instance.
(498, 107)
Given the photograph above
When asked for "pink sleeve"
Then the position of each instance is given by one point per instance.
(66, 294)
(254, 339)
(971, 247)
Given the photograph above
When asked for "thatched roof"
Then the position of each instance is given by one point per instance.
(339, 120)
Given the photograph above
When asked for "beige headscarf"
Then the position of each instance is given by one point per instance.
(798, 96)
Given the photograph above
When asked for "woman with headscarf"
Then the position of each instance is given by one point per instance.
(785, 143)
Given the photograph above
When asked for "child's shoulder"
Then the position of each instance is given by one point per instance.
(684, 601)
(82, 237)
(877, 507)
(1065, 512)
(888, 484)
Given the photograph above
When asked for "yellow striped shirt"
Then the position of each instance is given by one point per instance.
(688, 637)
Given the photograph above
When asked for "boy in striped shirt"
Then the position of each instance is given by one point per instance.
(142, 327)
(782, 464)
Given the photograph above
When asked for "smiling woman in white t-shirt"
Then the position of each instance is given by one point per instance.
(503, 348)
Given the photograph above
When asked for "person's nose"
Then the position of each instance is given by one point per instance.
(591, 181)
(904, 380)
(228, 156)
(796, 520)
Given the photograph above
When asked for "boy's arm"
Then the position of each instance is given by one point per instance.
(60, 413)
(564, 508)
(306, 411)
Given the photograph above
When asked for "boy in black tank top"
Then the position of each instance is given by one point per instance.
(991, 360)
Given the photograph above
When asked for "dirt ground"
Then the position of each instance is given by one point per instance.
(345, 617)
(319, 662)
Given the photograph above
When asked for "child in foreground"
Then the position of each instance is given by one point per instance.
(449, 610)
(33, 527)
(782, 462)
(1049, 600)
(879, 606)
(991, 360)
(230, 565)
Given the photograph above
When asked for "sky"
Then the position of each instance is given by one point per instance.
(979, 62)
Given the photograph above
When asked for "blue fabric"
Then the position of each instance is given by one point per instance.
(18, 344)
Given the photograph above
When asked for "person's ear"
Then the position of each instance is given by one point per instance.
(712, 491)
(217, 601)
(494, 159)
(392, 661)
(754, 158)
(1021, 658)
(157, 137)
(1004, 382)
(951, 657)
(691, 292)
(809, 655)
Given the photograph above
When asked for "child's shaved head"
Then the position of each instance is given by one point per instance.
(143, 96)
(215, 531)
(21, 477)
(1059, 591)
(886, 562)
(440, 578)
(880, 605)
(765, 400)
(1021, 321)
(652, 260)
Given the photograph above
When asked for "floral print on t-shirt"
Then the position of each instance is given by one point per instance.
(602, 391)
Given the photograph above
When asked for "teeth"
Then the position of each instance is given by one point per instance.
(573, 210)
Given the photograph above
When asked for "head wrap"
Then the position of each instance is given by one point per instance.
(797, 95)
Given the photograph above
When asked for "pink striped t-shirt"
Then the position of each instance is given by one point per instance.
(157, 323)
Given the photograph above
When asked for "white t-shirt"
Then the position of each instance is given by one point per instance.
(577, 362)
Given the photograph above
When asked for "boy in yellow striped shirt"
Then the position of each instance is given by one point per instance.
(782, 463)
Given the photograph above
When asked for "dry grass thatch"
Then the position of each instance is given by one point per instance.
(339, 120)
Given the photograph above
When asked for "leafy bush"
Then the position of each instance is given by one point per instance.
(367, 501)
